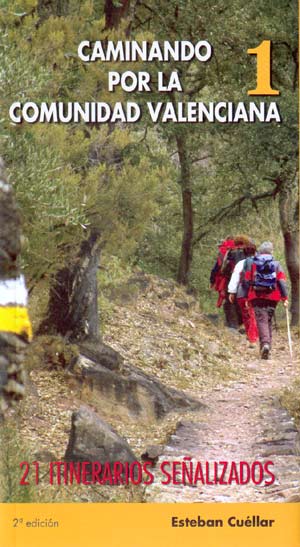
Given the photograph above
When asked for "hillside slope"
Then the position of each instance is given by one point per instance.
(158, 328)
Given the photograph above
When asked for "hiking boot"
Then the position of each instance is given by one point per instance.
(265, 350)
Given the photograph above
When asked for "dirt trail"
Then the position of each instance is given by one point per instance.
(243, 421)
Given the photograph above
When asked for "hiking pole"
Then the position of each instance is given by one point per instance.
(289, 332)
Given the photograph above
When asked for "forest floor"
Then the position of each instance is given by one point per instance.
(160, 329)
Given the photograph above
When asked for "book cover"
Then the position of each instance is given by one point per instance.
(149, 273)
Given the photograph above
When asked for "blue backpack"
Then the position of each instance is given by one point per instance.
(265, 274)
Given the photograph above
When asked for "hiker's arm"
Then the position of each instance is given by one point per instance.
(235, 278)
(281, 280)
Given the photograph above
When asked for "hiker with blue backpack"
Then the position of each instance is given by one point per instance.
(265, 285)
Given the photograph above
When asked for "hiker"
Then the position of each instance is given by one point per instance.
(217, 280)
(265, 286)
(234, 253)
(236, 290)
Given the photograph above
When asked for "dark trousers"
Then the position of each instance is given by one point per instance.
(233, 314)
(264, 312)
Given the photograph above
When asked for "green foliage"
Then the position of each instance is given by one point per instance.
(231, 166)
(112, 273)
(121, 190)
(12, 453)
(158, 252)
(71, 178)
(48, 192)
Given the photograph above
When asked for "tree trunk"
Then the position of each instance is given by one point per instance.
(73, 307)
(289, 219)
(73, 302)
(186, 255)
(115, 14)
(292, 260)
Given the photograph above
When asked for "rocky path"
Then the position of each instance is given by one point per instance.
(243, 421)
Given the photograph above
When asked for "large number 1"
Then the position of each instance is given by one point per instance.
(263, 86)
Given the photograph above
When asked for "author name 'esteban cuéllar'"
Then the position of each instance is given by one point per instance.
(253, 521)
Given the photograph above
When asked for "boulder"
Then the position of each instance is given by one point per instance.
(141, 396)
(92, 439)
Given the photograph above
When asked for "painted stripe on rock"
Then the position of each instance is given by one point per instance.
(13, 291)
(15, 319)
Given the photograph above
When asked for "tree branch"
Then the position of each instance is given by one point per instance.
(144, 5)
(195, 160)
(224, 211)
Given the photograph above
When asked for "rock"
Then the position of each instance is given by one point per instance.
(278, 451)
(92, 439)
(4, 362)
(152, 453)
(294, 498)
(143, 396)
(183, 305)
(12, 374)
(164, 294)
(9, 340)
(102, 354)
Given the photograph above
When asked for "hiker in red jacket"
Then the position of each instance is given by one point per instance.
(231, 251)
(217, 279)
(265, 286)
